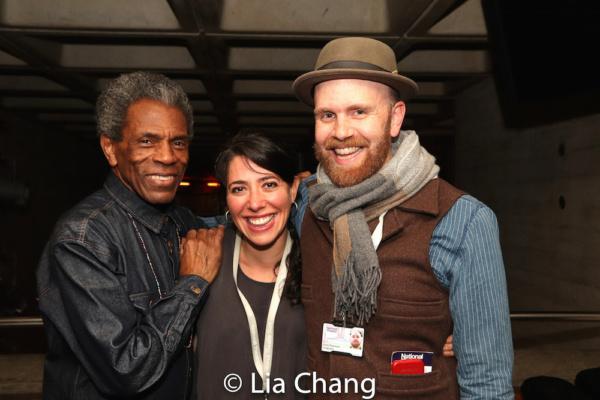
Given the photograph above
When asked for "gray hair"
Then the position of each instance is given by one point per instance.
(120, 93)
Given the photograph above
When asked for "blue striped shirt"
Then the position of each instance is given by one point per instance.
(465, 255)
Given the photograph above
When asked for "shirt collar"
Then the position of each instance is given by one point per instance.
(151, 216)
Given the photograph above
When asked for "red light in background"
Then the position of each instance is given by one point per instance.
(198, 185)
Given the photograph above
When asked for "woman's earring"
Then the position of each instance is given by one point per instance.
(228, 216)
(294, 212)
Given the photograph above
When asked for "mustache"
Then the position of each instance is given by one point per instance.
(333, 143)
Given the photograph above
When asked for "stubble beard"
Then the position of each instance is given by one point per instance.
(350, 175)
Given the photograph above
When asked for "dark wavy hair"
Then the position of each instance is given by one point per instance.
(268, 154)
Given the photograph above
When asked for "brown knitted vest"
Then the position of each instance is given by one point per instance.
(412, 307)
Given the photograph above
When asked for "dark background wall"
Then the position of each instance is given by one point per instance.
(58, 169)
(543, 183)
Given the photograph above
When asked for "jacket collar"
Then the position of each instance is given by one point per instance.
(426, 202)
(153, 217)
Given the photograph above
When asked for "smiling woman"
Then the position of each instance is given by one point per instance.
(260, 339)
(259, 202)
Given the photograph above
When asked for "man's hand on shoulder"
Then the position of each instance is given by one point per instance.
(201, 253)
(303, 175)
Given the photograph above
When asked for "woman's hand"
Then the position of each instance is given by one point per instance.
(201, 252)
(447, 350)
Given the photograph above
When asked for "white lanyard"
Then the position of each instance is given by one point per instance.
(378, 232)
(263, 363)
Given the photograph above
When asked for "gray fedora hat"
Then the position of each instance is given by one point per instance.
(355, 58)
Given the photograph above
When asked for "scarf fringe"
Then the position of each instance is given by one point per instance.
(355, 295)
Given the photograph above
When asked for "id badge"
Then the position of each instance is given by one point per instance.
(344, 340)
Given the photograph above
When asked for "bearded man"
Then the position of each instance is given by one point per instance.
(389, 246)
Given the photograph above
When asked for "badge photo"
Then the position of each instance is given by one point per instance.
(344, 340)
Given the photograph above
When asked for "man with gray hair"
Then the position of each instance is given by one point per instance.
(118, 288)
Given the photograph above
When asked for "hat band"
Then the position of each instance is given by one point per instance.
(351, 64)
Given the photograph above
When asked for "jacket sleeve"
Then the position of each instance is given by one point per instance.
(302, 200)
(124, 347)
(213, 222)
(479, 307)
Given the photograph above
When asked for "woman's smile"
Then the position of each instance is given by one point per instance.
(261, 223)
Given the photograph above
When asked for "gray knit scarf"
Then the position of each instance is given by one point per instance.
(356, 274)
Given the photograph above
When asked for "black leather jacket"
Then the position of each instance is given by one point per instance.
(110, 333)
